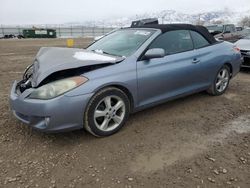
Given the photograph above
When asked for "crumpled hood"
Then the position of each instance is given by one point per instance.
(52, 59)
(243, 44)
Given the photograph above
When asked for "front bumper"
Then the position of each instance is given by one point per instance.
(246, 62)
(63, 113)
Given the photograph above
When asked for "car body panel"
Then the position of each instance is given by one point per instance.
(122, 74)
(174, 75)
(162, 78)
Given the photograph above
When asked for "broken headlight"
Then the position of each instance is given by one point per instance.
(57, 88)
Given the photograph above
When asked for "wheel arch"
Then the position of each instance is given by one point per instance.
(124, 89)
(230, 67)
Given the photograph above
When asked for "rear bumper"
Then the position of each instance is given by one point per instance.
(62, 113)
(236, 64)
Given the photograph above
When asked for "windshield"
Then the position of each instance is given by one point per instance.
(215, 28)
(122, 42)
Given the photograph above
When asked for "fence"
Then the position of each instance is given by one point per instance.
(62, 31)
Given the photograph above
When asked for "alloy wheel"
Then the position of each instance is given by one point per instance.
(222, 80)
(109, 113)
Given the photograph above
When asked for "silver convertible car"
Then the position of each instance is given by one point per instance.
(126, 71)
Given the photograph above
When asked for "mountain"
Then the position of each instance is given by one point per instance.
(172, 16)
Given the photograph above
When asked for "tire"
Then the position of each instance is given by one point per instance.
(221, 82)
(106, 112)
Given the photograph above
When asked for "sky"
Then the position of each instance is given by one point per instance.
(66, 11)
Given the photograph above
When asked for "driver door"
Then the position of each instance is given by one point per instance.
(175, 74)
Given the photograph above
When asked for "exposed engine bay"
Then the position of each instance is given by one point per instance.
(53, 64)
(26, 82)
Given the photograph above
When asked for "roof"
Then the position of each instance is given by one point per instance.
(172, 27)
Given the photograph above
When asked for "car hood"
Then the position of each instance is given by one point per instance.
(52, 59)
(243, 44)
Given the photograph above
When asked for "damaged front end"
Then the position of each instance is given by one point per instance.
(53, 64)
(25, 83)
(35, 99)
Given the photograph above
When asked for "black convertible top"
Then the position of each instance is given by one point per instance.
(172, 27)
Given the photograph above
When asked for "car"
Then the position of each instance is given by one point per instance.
(245, 32)
(225, 32)
(244, 46)
(238, 28)
(129, 70)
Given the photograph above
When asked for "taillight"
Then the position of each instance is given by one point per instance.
(236, 49)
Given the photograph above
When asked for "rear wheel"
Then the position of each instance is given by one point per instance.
(107, 112)
(221, 82)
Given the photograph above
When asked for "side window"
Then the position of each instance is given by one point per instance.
(199, 40)
(173, 42)
(233, 29)
(228, 29)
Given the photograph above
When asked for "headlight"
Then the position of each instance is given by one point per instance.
(57, 88)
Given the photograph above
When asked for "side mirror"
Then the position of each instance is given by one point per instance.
(154, 53)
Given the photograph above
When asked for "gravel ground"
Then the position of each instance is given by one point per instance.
(197, 141)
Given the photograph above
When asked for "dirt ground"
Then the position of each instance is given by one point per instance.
(197, 141)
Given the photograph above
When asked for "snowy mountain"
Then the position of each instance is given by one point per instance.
(172, 16)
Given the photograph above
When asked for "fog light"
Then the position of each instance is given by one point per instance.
(47, 120)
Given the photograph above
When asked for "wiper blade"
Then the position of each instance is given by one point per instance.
(103, 52)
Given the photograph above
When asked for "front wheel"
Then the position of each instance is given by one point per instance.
(221, 82)
(107, 112)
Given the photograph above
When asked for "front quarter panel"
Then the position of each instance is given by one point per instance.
(122, 74)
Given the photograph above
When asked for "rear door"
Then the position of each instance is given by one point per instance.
(175, 74)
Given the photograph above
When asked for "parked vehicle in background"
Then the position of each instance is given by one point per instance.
(244, 46)
(39, 33)
(32, 33)
(226, 32)
(126, 71)
(239, 28)
(12, 36)
(9, 36)
(245, 32)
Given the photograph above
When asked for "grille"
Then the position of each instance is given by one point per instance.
(245, 53)
(246, 62)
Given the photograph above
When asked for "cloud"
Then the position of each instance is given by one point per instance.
(63, 11)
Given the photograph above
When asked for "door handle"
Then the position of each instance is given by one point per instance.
(195, 61)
